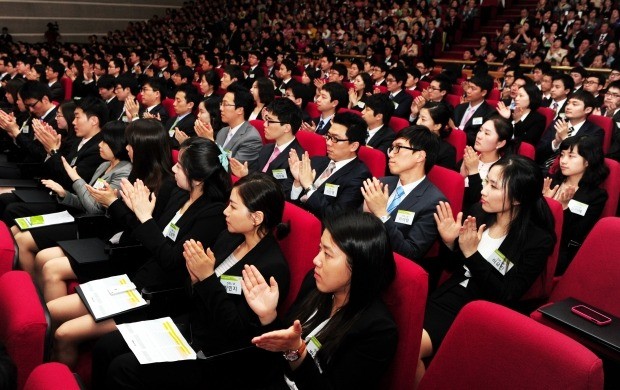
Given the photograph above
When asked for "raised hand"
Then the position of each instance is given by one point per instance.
(262, 297)
(204, 130)
(547, 190)
(71, 171)
(503, 110)
(471, 160)
(280, 340)
(448, 227)
(104, 196)
(201, 264)
(470, 236)
(57, 188)
(376, 197)
(306, 173)
(294, 164)
(179, 135)
(238, 168)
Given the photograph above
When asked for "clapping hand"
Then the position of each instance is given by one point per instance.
(262, 297)
(547, 190)
(447, 226)
(71, 171)
(306, 173)
(281, 340)
(200, 264)
(179, 135)
(294, 164)
(470, 236)
(503, 110)
(566, 194)
(139, 199)
(204, 130)
(46, 135)
(471, 160)
(104, 196)
(238, 168)
(57, 188)
(376, 197)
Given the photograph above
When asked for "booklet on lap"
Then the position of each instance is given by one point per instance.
(105, 298)
(37, 221)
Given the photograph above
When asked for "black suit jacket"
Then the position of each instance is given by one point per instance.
(349, 180)
(614, 149)
(28, 149)
(253, 74)
(543, 149)
(58, 92)
(158, 109)
(402, 108)
(186, 125)
(480, 116)
(280, 162)
(115, 109)
(414, 240)
(531, 129)
(325, 128)
(447, 155)
(382, 140)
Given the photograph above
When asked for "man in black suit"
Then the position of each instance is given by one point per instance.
(53, 71)
(282, 121)
(561, 86)
(286, 71)
(470, 116)
(332, 97)
(594, 83)
(545, 87)
(407, 201)
(301, 95)
(254, 71)
(612, 110)
(328, 185)
(425, 66)
(106, 86)
(126, 88)
(377, 114)
(152, 95)
(181, 126)
(578, 108)
(378, 72)
(401, 100)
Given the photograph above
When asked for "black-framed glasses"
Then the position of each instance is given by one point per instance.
(32, 105)
(329, 137)
(268, 121)
(397, 148)
(224, 104)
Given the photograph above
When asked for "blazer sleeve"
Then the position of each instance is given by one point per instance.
(249, 148)
(543, 148)
(532, 131)
(577, 227)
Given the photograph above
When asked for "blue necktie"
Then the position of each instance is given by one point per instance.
(396, 201)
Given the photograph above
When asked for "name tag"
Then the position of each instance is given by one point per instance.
(99, 184)
(25, 129)
(405, 217)
(577, 207)
(171, 133)
(395, 105)
(232, 284)
(361, 104)
(125, 119)
(173, 232)
(252, 75)
(279, 173)
(500, 262)
(313, 346)
(562, 115)
(331, 189)
(477, 121)
(617, 124)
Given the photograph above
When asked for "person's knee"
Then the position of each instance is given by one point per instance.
(51, 272)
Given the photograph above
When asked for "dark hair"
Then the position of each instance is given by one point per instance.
(113, 134)
(380, 103)
(440, 113)
(420, 137)
(312, 74)
(106, 81)
(566, 80)
(599, 77)
(290, 66)
(261, 192)
(338, 92)
(586, 97)
(534, 94)
(287, 112)
(68, 111)
(356, 127)
(301, 91)
(212, 79)
(341, 69)
(484, 81)
(213, 108)
(152, 156)
(400, 75)
(444, 83)
(127, 81)
(504, 131)
(242, 98)
(590, 149)
(235, 72)
(185, 72)
(368, 84)
(118, 63)
(13, 86)
(266, 93)
(92, 106)
(35, 90)
(56, 67)
(329, 56)
(191, 95)
(364, 240)
(199, 159)
(523, 183)
(580, 69)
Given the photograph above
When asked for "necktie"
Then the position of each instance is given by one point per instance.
(171, 129)
(391, 96)
(276, 153)
(397, 199)
(466, 117)
(570, 131)
(319, 128)
(326, 173)
(554, 107)
(228, 137)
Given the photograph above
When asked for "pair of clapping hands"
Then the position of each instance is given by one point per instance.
(450, 229)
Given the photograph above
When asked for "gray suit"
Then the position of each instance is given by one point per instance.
(244, 145)
(82, 200)
(414, 240)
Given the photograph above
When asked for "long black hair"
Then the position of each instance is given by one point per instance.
(152, 155)
(364, 240)
(199, 159)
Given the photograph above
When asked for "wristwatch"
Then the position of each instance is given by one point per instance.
(293, 355)
(385, 218)
(311, 188)
(53, 152)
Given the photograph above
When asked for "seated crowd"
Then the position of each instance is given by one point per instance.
(237, 128)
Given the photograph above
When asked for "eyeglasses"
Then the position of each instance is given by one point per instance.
(224, 104)
(590, 82)
(390, 80)
(32, 105)
(613, 95)
(268, 121)
(146, 89)
(397, 148)
(329, 137)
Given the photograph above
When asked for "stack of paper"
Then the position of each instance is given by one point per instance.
(44, 220)
(108, 297)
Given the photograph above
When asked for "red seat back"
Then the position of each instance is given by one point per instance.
(52, 376)
(8, 250)
(423, 85)
(175, 156)
(458, 139)
(607, 125)
(414, 94)
(299, 247)
(358, 113)
(492, 347)
(457, 89)
(23, 326)
(494, 94)
(312, 143)
(527, 150)
(374, 160)
(549, 115)
(67, 85)
(612, 185)
(168, 105)
(406, 298)
(260, 126)
(381, 88)
(397, 124)
(453, 100)
(312, 110)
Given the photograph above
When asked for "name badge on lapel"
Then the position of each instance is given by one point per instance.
(232, 284)
(477, 121)
(405, 217)
(279, 174)
(500, 262)
(331, 189)
(577, 207)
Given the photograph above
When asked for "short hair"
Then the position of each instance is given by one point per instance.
(290, 65)
(484, 81)
(382, 65)
(106, 81)
(380, 103)
(420, 137)
(329, 55)
(35, 90)
(128, 81)
(191, 95)
(303, 92)
(235, 72)
(415, 72)
(118, 63)
(287, 113)
(242, 98)
(359, 63)
(337, 92)
(92, 106)
(544, 67)
(213, 79)
(13, 86)
(399, 74)
(165, 57)
(158, 85)
(113, 134)
(185, 72)
(355, 125)
(261, 192)
(444, 83)
(600, 77)
(103, 64)
(614, 84)
(586, 97)
(534, 94)
(581, 70)
(56, 67)
(591, 150)
(341, 69)
(256, 53)
(566, 80)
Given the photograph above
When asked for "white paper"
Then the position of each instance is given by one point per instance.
(103, 304)
(37, 221)
(156, 341)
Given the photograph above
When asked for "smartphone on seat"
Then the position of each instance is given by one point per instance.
(591, 315)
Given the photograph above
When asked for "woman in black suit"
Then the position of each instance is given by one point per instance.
(193, 212)
(220, 320)
(348, 337)
(577, 187)
(498, 251)
(528, 124)
(436, 116)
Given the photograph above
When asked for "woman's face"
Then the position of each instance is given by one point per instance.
(483, 41)
(522, 100)
(331, 267)
(424, 119)
(572, 163)
(238, 217)
(254, 91)
(554, 28)
(487, 139)
(104, 150)
(130, 152)
(205, 87)
(61, 121)
(305, 79)
(179, 174)
(203, 114)
(358, 83)
(494, 198)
